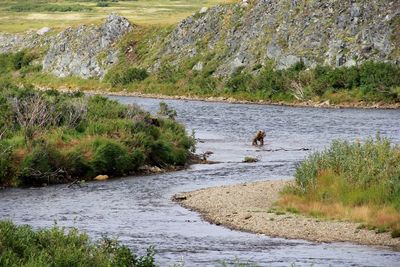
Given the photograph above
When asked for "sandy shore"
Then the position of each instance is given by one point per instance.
(247, 207)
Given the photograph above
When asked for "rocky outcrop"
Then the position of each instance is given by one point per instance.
(16, 42)
(335, 32)
(86, 51)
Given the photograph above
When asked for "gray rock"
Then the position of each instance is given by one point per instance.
(287, 61)
(334, 33)
(198, 67)
(86, 51)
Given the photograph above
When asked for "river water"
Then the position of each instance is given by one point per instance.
(139, 210)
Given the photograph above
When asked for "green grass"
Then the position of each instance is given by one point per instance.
(22, 15)
(22, 246)
(355, 181)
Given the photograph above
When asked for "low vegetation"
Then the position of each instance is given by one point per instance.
(22, 246)
(27, 6)
(351, 181)
(23, 15)
(49, 137)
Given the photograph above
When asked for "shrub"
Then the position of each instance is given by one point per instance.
(161, 153)
(112, 158)
(41, 165)
(51, 135)
(126, 76)
(102, 4)
(370, 172)
(44, 7)
(21, 246)
(76, 165)
(165, 110)
(5, 164)
(100, 107)
(239, 81)
(379, 76)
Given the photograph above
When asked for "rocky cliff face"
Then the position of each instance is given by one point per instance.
(334, 32)
(248, 35)
(86, 51)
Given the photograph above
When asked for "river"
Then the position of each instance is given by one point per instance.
(139, 210)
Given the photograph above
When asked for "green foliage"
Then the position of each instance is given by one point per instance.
(167, 73)
(28, 6)
(41, 165)
(239, 81)
(16, 61)
(50, 137)
(126, 76)
(165, 110)
(114, 159)
(21, 246)
(5, 164)
(102, 3)
(365, 173)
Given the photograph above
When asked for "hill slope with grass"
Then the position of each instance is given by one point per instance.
(263, 50)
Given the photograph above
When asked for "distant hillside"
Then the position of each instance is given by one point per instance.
(335, 33)
(225, 38)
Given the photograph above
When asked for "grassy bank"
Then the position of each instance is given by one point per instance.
(22, 246)
(350, 181)
(364, 85)
(49, 137)
(22, 15)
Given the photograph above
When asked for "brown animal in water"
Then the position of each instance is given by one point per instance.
(259, 138)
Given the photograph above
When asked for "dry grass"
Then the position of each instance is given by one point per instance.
(373, 216)
(142, 12)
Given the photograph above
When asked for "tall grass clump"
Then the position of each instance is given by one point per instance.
(360, 181)
(51, 137)
(22, 246)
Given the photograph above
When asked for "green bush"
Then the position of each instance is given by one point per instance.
(239, 81)
(370, 171)
(113, 159)
(379, 76)
(102, 4)
(5, 164)
(126, 76)
(71, 137)
(41, 165)
(21, 246)
(16, 61)
(45, 7)
(76, 165)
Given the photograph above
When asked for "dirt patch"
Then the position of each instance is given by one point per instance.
(249, 207)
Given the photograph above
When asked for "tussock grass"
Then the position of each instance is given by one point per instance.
(351, 181)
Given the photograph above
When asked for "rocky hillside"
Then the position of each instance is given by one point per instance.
(222, 39)
(335, 32)
(86, 51)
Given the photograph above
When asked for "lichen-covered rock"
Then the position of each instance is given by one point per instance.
(335, 32)
(86, 51)
(11, 43)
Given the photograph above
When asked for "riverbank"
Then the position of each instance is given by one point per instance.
(250, 207)
(225, 99)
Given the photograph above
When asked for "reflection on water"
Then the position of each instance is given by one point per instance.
(138, 210)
